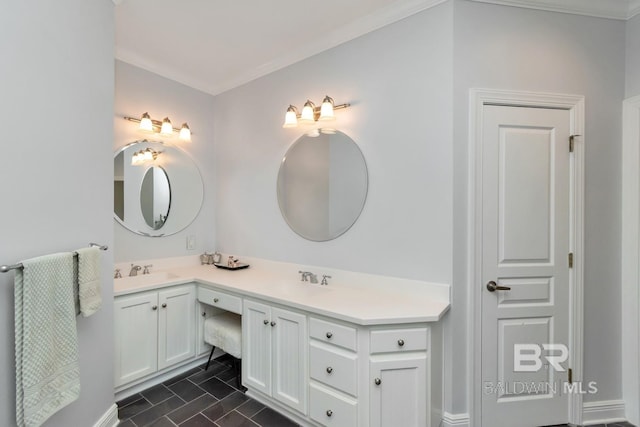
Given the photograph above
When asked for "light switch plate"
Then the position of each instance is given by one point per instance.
(191, 242)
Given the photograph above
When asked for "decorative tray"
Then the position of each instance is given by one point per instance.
(238, 266)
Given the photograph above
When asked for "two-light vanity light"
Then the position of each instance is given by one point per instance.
(164, 127)
(311, 114)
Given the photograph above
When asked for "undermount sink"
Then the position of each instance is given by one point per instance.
(295, 287)
(144, 279)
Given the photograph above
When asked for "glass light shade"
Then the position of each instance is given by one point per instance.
(147, 155)
(167, 128)
(307, 115)
(313, 133)
(328, 131)
(185, 132)
(135, 158)
(326, 109)
(290, 118)
(145, 123)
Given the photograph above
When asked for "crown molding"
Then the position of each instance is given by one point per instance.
(611, 9)
(385, 16)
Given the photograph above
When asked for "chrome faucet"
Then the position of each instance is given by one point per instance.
(308, 276)
(324, 279)
(117, 274)
(134, 270)
(146, 269)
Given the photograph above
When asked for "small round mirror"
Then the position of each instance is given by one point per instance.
(155, 197)
(322, 185)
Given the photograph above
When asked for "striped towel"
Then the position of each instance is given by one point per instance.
(47, 369)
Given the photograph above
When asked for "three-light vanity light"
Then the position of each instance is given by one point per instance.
(164, 127)
(144, 156)
(311, 114)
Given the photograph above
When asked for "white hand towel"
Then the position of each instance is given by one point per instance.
(89, 287)
(47, 369)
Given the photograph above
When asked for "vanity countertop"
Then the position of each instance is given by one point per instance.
(358, 298)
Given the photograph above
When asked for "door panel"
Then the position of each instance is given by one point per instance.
(525, 247)
(256, 346)
(176, 326)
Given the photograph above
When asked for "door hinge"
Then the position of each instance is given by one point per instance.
(571, 142)
(570, 375)
(570, 259)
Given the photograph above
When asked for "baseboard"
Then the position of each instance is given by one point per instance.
(109, 418)
(455, 420)
(605, 411)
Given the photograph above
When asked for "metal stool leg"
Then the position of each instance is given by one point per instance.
(210, 355)
(236, 366)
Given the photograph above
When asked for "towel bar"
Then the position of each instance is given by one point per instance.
(6, 268)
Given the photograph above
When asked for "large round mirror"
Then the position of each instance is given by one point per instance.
(158, 189)
(322, 185)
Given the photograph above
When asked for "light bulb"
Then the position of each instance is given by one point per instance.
(145, 123)
(326, 110)
(167, 128)
(185, 132)
(147, 154)
(307, 116)
(291, 117)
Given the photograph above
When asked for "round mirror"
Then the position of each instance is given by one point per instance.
(322, 185)
(155, 197)
(158, 190)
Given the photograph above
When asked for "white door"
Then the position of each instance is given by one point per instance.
(525, 250)
(256, 346)
(176, 325)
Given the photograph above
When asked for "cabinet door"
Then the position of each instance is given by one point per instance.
(136, 335)
(290, 359)
(256, 346)
(176, 325)
(399, 391)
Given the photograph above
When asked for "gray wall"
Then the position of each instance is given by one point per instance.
(633, 57)
(56, 82)
(138, 91)
(398, 80)
(503, 47)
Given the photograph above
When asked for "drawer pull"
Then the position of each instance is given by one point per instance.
(329, 335)
(329, 369)
(329, 412)
(377, 381)
(400, 343)
(155, 307)
(273, 323)
(265, 321)
(164, 305)
(216, 299)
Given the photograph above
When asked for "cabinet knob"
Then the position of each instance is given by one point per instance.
(329, 369)
(377, 381)
(329, 335)
(265, 321)
(273, 323)
(329, 412)
(401, 342)
(204, 314)
(164, 305)
(216, 299)
(155, 307)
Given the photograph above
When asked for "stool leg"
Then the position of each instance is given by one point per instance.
(236, 366)
(210, 355)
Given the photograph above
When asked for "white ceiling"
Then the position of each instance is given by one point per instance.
(215, 45)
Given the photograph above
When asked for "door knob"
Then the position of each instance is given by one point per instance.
(493, 286)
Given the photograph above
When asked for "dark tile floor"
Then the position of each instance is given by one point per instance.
(198, 398)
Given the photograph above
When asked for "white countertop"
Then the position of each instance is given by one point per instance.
(359, 298)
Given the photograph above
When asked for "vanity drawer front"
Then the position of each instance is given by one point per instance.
(333, 333)
(219, 299)
(330, 409)
(334, 368)
(392, 340)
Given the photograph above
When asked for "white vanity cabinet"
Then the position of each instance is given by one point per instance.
(398, 379)
(153, 330)
(274, 353)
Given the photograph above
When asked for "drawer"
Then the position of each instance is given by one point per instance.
(333, 367)
(392, 340)
(219, 299)
(331, 409)
(333, 333)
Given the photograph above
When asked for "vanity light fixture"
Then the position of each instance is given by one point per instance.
(164, 127)
(143, 156)
(311, 114)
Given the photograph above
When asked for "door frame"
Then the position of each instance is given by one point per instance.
(631, 257)
(478, 99)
